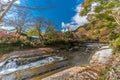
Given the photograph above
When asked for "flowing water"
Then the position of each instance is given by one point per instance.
(75, 58)
(11, 65)
(11, 68)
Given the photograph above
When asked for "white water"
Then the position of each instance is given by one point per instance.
(11, 65)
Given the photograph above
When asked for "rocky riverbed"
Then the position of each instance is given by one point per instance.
(27, 64)
(113, 72)
(56, 64)
(99, 61)
(28, 53)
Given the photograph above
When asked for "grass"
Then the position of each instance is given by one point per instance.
(117, 53)
(103, 73)
(7, 49)
(101, 78)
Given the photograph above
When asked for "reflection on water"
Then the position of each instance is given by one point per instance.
(79, 57)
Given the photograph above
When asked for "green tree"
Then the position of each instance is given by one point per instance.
(50, 33)
(33, 32)
(68, 35)
(104, 23)
(116, 43)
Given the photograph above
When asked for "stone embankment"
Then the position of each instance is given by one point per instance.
(27, 53)
(87, 72)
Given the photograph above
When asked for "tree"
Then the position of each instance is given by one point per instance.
(39, 24)
(43, 25)
(33, 32)
(68, 35)
(81, 33)
(7, 4)
(117, 17)
(104, 20)
(50, 33)
(116, 44)
(4, 11)
(20, 20)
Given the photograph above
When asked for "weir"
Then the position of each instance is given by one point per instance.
(22, 68)
(11, 65)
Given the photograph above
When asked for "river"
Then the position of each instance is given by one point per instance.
(75, 58)
(43, 67)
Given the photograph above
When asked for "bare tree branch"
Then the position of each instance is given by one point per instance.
(116, 16)
(3, 13)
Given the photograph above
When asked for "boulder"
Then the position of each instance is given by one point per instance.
(102, 56)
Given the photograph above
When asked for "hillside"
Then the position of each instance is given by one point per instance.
(103, 26)
(104, 22)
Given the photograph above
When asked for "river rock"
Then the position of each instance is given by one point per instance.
(32, 71)
(102, 56)
(86, 72)
(27, 53)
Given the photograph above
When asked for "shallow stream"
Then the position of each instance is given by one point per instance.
(11, 70)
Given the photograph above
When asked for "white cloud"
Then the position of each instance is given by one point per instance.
(17, 2)
(7, 28)
(63, 25)
(76, 20)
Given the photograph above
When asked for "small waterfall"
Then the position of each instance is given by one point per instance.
(10, 64)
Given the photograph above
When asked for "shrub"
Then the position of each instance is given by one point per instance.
(17, 43)
(112, 36)
(6, 49)
(3, 44)
(27, 43)
(116, 43)
(98, 8)
(101, 78)
(50, 42)
(55, 42)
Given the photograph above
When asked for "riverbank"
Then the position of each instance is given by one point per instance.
(28, 53)
(23, 64)
(35, 62)
(100, 60)
(75, 63)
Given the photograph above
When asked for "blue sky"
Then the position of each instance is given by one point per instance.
(62, 11)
